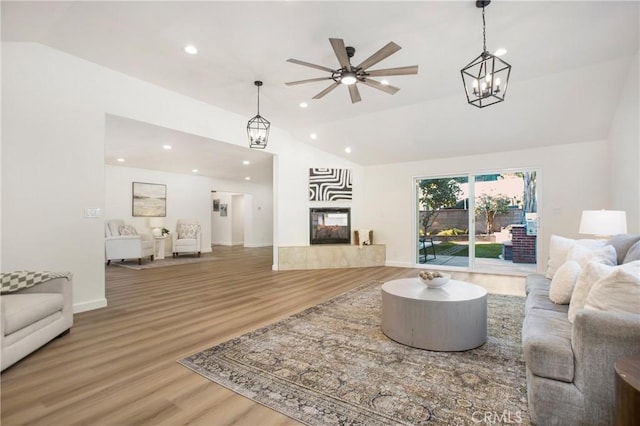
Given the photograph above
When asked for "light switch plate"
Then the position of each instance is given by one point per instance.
(92, 212)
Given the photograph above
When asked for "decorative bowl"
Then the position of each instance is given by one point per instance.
(433, 279)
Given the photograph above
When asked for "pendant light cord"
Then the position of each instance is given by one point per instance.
(258, 100)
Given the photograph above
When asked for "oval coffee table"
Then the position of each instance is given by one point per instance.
(450, 318)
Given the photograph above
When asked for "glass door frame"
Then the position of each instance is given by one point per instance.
(471, 179)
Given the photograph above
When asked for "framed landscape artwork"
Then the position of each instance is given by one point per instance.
(149, 199)
(216, 205)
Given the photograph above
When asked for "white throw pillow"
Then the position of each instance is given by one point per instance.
(127, 230)
(617, 292)
(559, 248)
(563, 282)
(583, 255)
(188, 231)
(590, 274)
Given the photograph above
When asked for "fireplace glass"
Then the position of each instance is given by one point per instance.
(330, 225)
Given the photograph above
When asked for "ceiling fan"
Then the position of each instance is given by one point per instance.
(349, 75)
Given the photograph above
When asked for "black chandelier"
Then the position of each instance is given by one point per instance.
(258, 127)
(485, 79)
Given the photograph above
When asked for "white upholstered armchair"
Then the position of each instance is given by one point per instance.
(187, 238)
(123, 242)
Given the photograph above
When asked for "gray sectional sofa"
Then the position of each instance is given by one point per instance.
(570, 367)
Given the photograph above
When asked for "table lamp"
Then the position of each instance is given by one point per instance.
(603, 223)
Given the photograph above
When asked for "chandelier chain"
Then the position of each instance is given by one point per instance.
(484, 33)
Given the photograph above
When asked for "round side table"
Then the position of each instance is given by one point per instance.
(627, 390)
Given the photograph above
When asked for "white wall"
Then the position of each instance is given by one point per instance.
(572, 177)
(187, 198)
(625, 151)
(237, 219)
(53, 114)
(221, 230)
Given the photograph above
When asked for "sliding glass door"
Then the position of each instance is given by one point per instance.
(468, 221)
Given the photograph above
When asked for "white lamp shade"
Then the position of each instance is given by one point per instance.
(603, 222)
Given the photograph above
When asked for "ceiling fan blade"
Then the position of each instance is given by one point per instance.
(413, 69)
(325, 91)
(381, 54)
(341, 52)
(354, 93)
(307, 64)
(311, 80)
(384, 87)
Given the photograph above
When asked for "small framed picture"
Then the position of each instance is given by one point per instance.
(216, 205)
(223, 209)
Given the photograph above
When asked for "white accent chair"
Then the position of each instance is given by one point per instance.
(187, 237)
(119, 246)
(32, 317)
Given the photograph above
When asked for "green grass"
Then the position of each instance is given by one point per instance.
(487, 251)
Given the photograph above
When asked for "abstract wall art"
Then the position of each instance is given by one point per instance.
(330, 184)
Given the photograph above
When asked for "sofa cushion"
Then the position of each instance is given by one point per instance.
(622, 243)
(619, 291)
(538, 298)
(546, 339)
(584, 255)
(22, 310)
(559, 248)
(536, 281)
(633, 254)
(590, 274)
(563, 282)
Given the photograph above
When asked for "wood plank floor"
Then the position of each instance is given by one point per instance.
(118, 365)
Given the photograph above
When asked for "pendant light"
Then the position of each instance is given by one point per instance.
(258, 127)
(485, 78)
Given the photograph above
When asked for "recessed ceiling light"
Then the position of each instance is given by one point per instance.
(500, 51)
(167, 147)
(303, 104)
(313, 136)
(385, 82)
(247, 178)
(120, 160)
(246, 162)
(195, 170)
(347, 150)
(191, 49)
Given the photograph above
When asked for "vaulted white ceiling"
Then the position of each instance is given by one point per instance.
(570, 61)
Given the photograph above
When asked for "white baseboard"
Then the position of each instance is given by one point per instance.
(254, 245)
(399, 264)
(89, 306)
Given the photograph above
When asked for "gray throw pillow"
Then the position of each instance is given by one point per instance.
(622, 243)
(633, 253)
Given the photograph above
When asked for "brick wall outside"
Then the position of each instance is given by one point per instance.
(458, 218)
(524, 246)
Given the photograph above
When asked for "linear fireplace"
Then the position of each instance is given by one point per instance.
(330, 225)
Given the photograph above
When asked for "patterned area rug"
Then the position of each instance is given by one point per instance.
(331, 364)
(161, 263)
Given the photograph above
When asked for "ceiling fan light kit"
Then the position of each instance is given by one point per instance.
(258, 127)
(485, 79)
(350, 75)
